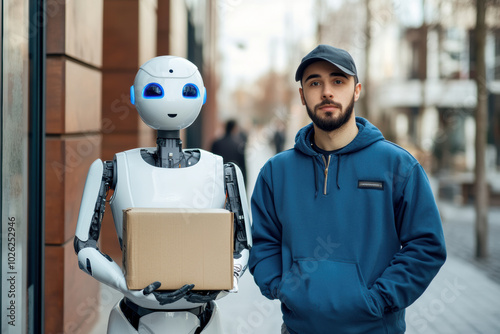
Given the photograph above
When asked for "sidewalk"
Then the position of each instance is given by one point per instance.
(459, 228)
(461, 299)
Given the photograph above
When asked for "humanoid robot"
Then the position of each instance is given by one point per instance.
(168, 93)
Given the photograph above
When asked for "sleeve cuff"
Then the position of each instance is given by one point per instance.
(273, 288)
(379, 300)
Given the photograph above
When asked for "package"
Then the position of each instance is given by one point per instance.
(177, 247)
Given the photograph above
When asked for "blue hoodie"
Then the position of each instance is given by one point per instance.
(345, 243)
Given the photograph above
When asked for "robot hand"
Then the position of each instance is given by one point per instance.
(164, 297)
(202, 296)
(239, 267)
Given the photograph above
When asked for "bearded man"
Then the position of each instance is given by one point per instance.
(346, 231)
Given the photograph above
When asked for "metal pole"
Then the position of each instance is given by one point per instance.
(36, 171)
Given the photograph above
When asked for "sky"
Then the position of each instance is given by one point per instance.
(253, 39)
(253, 35)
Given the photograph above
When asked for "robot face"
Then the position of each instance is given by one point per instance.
(168, 93)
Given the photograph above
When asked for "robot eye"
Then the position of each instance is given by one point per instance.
(152, 91)
(190, 91)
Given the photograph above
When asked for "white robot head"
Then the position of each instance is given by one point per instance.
(168, 93)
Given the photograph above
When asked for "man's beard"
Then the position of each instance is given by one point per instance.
(329, 123)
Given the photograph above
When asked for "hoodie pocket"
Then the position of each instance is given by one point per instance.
(327, 292)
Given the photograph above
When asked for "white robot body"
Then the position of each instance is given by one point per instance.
(90, 193)
(141, 185)
(157, 322)
(168, 93)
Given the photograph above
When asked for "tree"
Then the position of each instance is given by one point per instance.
(481, 114)
(365, 101)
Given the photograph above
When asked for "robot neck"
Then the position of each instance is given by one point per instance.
(169, 149)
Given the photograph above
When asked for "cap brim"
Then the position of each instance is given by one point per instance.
(303, 65)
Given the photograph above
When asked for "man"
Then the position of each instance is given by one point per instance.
(346, 232)
(232, 146)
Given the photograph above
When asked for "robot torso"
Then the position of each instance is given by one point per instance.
(140, 184)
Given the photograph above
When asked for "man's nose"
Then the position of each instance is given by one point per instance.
(327, 92)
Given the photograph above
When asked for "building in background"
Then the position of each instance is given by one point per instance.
(430, 103)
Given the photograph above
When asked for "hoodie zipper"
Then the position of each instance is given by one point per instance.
(327, 164)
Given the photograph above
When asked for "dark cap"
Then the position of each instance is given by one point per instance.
(338, 57)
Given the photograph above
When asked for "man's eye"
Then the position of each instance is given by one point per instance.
(314, 83)
(338, 82)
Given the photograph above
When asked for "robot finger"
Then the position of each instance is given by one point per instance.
(235, 283)
(202, 297)
(164, 297)
(182, 291)
(150, 288)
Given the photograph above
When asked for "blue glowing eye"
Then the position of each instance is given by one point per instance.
(132, 95)
(153, 91)
(190, 91)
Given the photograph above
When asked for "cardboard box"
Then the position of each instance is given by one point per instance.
(177, 247)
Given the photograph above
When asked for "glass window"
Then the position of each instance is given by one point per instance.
(14, 162)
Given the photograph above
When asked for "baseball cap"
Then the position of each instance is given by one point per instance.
(338, 57)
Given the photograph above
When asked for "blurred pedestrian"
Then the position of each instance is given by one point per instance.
(346, 231)
(231, 146)
(279, 136)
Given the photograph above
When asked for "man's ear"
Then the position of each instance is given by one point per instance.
(357, 91)
(301, 92)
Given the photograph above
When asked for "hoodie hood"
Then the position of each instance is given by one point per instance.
(367, 135)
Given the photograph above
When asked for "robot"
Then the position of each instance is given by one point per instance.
(168, 93)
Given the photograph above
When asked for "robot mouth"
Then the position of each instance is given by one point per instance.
(172, 115)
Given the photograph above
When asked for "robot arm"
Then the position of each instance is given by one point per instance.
(236, 201)
(100, 178)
